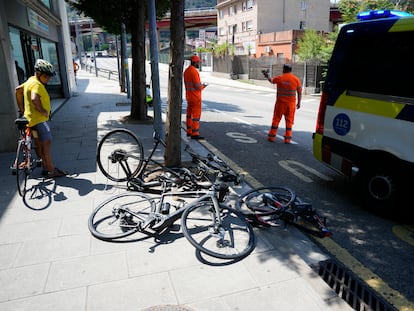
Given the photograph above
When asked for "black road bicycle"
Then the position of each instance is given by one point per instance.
(120, 157)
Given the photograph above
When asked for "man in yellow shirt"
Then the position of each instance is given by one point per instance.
(34, 103)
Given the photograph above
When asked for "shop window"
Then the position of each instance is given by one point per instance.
(49, 52)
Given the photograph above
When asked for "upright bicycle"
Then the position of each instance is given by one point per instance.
(25, 160)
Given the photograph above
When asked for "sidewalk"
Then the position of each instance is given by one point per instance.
(50, 261)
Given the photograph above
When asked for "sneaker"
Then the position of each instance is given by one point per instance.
(56, 173)
(197, 137)
(270, 139)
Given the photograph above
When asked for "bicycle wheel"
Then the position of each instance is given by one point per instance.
(120, 216)
(120, 155)
(225, 235)
(22, 171)
(266, 201)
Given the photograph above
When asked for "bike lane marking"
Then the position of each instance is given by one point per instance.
(288, 165)
(241, 138)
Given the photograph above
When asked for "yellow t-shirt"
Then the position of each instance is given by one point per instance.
(33, 85)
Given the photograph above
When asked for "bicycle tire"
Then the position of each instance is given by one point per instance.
(120, 216)
(232, 238)
(22, 173)
(258, 202)
(120, 155)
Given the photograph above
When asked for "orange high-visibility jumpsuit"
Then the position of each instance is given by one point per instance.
(288, 85)
(193, 88)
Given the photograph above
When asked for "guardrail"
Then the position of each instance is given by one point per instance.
(102, 72)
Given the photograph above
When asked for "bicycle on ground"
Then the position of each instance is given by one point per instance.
(120, 157)
(267, 206)
(25, 161)
(210, 226)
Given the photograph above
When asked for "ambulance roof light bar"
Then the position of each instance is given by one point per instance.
(377, 14)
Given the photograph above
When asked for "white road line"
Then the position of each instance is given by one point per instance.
(242, 121)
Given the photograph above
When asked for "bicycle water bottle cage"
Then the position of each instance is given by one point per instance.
(21, 123)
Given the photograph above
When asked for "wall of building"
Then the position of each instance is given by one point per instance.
(268, 16)
(8, 109)
(27, 34)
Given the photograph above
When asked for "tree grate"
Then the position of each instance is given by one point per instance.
(350, 288)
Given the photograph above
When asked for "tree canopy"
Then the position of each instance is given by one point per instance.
(112, 13)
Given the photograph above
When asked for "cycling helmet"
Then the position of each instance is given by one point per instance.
(45, 67)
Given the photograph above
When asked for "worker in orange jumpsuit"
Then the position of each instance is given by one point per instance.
(193, 88)
(288, 86)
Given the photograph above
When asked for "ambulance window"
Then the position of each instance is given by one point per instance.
(379, 64)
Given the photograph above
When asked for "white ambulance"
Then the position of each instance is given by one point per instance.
(365, 124)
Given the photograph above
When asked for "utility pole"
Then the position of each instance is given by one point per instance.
(125, 64)
(93, 47)
(78, 44)
(155, 76)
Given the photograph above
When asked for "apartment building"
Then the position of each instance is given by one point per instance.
(269, 27)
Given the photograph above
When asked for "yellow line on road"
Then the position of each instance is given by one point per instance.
(405, 233)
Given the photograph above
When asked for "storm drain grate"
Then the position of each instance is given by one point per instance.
(350, 288)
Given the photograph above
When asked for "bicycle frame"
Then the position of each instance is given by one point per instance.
(149, 159)
(158, 220)
(24, 160)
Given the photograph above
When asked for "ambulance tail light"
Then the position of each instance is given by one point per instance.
(320, 123)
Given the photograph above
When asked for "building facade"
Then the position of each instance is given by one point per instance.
(243, 22)
(31, 29)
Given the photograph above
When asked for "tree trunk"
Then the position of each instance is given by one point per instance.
(138, 107)
(175, 85)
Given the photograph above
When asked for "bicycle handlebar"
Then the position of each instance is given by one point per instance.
(214, 165)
